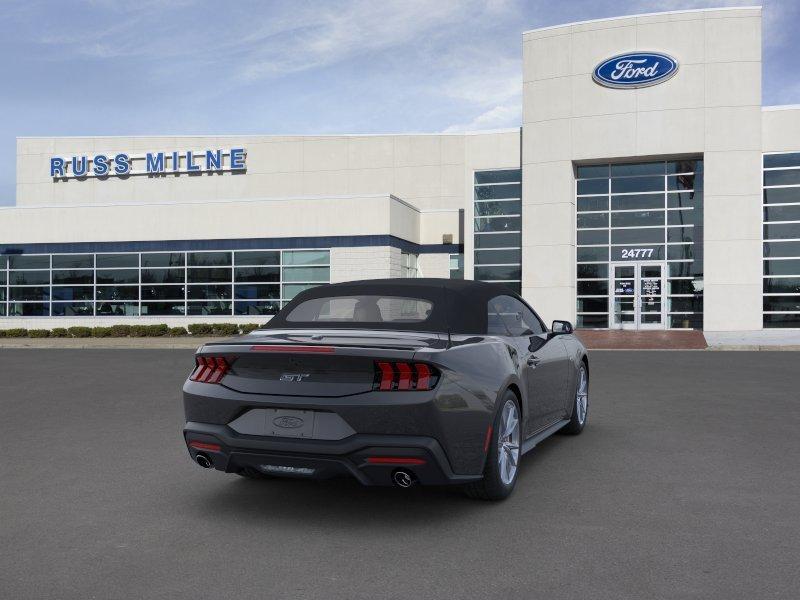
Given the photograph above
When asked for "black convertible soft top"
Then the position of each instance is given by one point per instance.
(459, 306)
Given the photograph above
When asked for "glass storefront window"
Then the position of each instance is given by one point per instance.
(638, 213)
(157, 283)
(781, 288)
(497, 227)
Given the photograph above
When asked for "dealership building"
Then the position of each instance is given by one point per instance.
(647, 188)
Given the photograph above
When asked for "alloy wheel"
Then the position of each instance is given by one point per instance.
(508, 442)
(582, 395)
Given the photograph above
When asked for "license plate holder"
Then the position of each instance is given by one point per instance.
(283, 422)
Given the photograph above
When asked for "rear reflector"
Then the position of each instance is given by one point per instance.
(205, 446)
(210, 369)
(300, 349)
(395, 460)
(403, 376)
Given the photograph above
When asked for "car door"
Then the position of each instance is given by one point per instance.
(543, 362)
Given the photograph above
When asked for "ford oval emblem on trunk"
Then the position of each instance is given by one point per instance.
(288, 422)
(635, 70)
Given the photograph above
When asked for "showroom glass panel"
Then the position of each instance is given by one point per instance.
(782, 267)
(29, 293)
(116, 292)
(782, 177)
(117, 309)
(496, 192)
(491, 209)
(117, 261)
(257, 258)
(21, 262)
(28, 309)
(68, 292)
(29, 278)
(632, 200)
(498, 224)
(163, 259)
(498, 240)
(254, 308)
(72, 309)
(781, 287)
(306, 257)
(789, 320)
(637, 201)
(592, 203)
(257, 292)
(118, 276)
(163, 276)
(782, 213)
(499, 176)
(73, 277)
(592, 220)
(307, 274)
(163, 309)
(209, 259)
(685, 217)
(782, 231)
(592, 271)
(209, 275)
(498, 273)
(210, 308)
(591, 237)
(73, 261)
(257, 274)
(163, 292)
(498, 257)
(787, 195)
(209, 292)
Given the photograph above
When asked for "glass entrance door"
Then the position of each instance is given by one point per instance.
(637, 295)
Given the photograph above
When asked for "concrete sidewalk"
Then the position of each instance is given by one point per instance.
(110, 343)
(763, 339)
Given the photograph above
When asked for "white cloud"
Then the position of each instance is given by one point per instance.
(497, 117)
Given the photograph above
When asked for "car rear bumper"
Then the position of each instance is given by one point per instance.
(371, 459)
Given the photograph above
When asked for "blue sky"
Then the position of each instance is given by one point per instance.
(148, 67)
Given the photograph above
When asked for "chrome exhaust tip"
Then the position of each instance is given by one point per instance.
(203, 461)
(403, 478)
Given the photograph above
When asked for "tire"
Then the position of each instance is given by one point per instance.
(580, 404)
(500, 474)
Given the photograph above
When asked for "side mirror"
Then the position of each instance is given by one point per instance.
(561, 328)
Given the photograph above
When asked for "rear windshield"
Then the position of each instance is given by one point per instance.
(361, 309)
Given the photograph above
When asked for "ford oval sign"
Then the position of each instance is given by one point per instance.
(635, 70)
(288, 422)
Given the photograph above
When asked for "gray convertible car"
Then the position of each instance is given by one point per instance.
(396, 381)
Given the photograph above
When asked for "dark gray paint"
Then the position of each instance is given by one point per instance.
(475, 372)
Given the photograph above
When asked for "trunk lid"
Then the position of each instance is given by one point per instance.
(315, 363)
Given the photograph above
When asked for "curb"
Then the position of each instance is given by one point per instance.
(159, 343)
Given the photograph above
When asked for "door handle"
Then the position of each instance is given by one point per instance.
(533, 360)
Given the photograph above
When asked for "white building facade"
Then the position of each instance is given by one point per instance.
(651, 193)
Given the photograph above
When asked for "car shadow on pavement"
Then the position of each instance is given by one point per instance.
(345, 501)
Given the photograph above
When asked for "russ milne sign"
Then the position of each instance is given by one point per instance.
(635, 70)
(150, 163)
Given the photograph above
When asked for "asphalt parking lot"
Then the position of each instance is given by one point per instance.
(685, 484)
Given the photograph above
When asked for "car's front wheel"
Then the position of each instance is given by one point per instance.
(503, 455)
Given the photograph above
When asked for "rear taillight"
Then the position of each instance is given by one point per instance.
(399, 376)
(210, 369)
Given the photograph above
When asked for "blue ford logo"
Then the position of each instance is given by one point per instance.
(635, 70)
